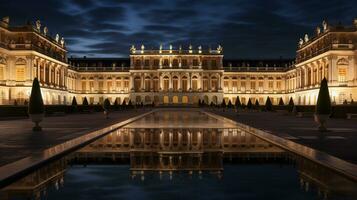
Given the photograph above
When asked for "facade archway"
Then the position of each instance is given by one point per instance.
(215, 100)
(175, 99)
(156, 100)
(138, 99)
(205, 99)
(166, 100)
(147, 99)
(195, 99)
(184, 99)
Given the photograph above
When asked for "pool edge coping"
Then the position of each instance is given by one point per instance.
(341, 166)
(12, 171)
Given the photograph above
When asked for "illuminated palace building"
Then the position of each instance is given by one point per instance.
(175, 75)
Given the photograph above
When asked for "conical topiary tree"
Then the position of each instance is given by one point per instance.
(323, 105)
(268, 105)
(281, 102)
(249, 104)
(223, 105)
(106, 107)
(230, 105)
(36, 108)
(123, 105)
(85, 102)
(237, 104)
(74, 101)
(130, 104)
(256, 104)
(291, 104)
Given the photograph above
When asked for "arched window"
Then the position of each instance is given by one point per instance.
(20, 69)
(184, 83)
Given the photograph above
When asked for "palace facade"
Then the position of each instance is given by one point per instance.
(175, 75)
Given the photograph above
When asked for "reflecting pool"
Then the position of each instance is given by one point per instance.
(181, 155)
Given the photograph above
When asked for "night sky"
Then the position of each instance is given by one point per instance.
(245, 28)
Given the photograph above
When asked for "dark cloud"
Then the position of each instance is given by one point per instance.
(245, 28)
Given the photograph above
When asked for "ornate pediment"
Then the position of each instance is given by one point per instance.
(342, 61)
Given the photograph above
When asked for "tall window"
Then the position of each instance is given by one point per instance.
(261, 86)
(166, 83)
(175, 63)
(184, 83)
(205, 84)
(156, 63)
(278, 85)
(109, 86)
(100, 86)
(234, 85)
(252, 86)
(156, 84)
(225, 85)
(214, 84)
(137, 83)
(126, 85)
(20, 73)
(184, 63)
(213, 64)
(342, 72)
(195, 62)
(194, 83)
(175, 83)
(147, 84)
(91, 86)
(242, 86)
(84, 86)
(270, 85)
(2, 69)
(147, 63)
(138, 64)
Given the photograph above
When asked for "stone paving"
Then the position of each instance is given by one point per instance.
(17, 140)
(340, 140)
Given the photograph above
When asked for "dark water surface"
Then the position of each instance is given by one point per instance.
(181, 155)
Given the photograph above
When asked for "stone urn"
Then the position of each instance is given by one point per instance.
(36, 118)
(321, 120)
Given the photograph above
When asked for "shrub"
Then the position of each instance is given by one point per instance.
(323, 106)
(36, 103)
(74, 101)
(257, 103)
(106, 104)
(223, 104)
(268, 105)
(230, 105)
(249, 104)
(85, 102)
(281, 102)
(291, 104)
(237, 104)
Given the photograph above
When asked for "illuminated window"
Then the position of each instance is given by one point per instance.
(278, 85)
(175, 83)
(271, 85)
(100, 87)
(342, 74)
(147, 63)
(260, 86)
(252, 85)
(2, 72)
(109, 86)
(91, 86)
(175, 63)
(184, 63)
(194, 83)
(234, 86)
(195, 62)
(225, 85)
(20, 73)
(84, 85)
(242, 86)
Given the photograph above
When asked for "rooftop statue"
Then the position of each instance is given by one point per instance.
(324, 25)
(38, 25)
(62, 42)
(219, 48)
(132, 49)
(301, 42)
(318, 30)
(45, 30)
(6, 19)
(306, 38)
(57, 38)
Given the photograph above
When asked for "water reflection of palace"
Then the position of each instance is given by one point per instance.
(170, 151)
